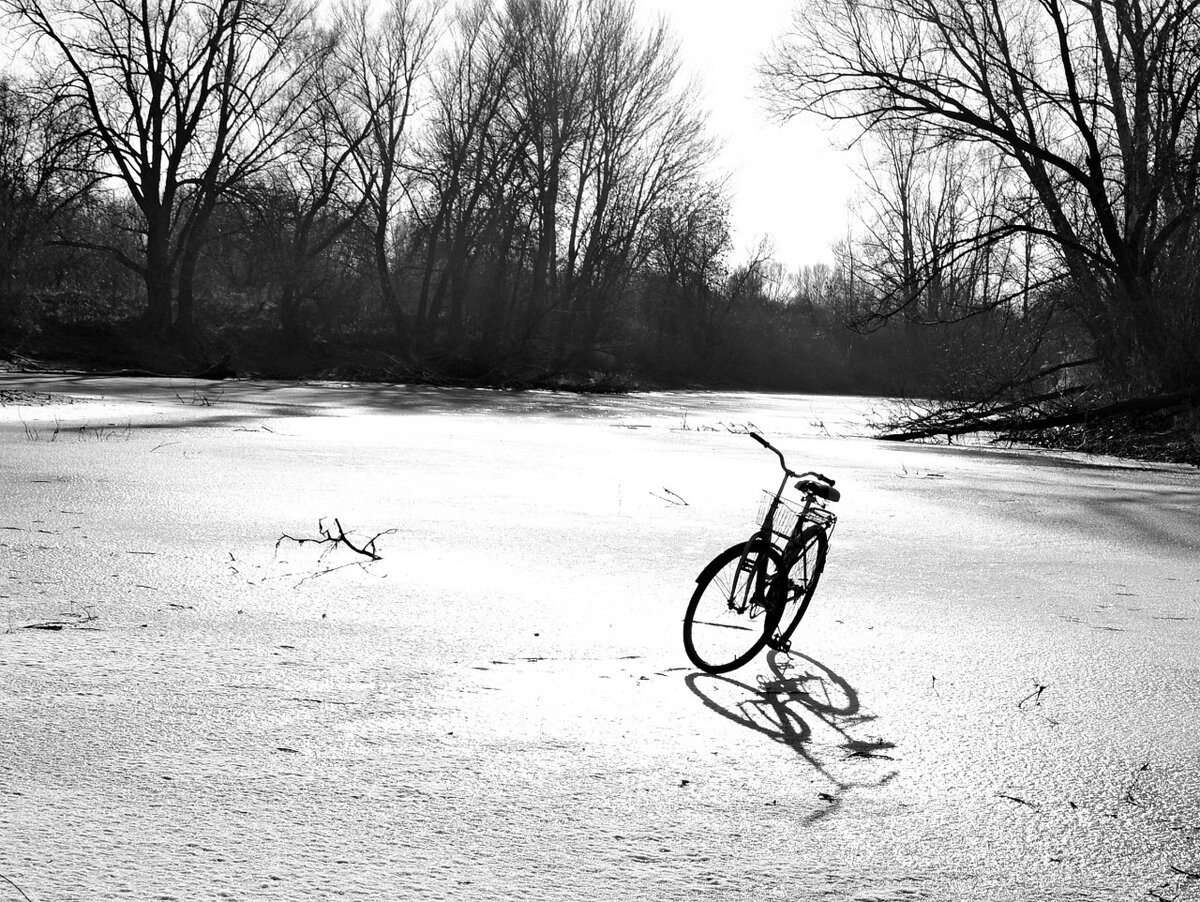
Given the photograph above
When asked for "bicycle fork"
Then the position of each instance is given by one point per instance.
(756, 590)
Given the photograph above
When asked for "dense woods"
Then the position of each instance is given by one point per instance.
(525, 192)
(515, 191)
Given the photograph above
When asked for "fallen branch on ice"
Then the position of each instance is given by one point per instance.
(1017, 799)
(366, 549)
(1030, 416)
(1036, 694)
(1128, 797)
(674, 499)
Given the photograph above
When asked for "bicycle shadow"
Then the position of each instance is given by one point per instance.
(797, 689)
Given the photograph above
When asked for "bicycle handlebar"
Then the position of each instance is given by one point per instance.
(783, 463)
(762, 441)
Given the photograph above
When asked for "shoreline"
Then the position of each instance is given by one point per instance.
(1150, 439)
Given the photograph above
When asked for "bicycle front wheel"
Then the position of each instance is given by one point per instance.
(806, 560)
(726, 623)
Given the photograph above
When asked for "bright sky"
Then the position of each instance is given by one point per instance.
(787, 182)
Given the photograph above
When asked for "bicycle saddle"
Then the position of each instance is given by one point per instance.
(820, 489)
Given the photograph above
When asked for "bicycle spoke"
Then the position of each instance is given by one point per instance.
(724, 626)
(728, 616)
(802, 579)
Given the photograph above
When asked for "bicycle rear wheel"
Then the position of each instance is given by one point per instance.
(798, 584)
(725, 625)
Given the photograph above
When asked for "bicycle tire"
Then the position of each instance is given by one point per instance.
(723, 628)
(812, 549)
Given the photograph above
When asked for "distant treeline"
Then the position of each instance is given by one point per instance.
(510, 190)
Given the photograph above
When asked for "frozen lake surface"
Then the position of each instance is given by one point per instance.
(500, 707)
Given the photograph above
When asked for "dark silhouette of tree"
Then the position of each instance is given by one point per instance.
(381, 63)
(45, 172)
(689, 257)
(642, 139)
(1091, 109)
(306, 201)
(468, 158)
(185, 99)
(559, 128)
(517, 192)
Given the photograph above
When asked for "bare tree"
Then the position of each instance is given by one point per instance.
(185, 98)
(382, 61)
(549, 109)
(812, 285)
(933, 244)
(45, 169)
(559, 128)
(306, 201)
(642, 138)
(689, 254)
(1093, 104)
(467, 156)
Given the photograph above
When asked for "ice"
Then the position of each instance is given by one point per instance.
(500, 707)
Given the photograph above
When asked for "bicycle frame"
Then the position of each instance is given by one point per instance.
(764, 536)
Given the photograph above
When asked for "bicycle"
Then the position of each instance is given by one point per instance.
(751, 589)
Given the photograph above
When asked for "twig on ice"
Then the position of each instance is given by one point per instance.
(363, 565)
(367, 549)
(1018, 800)
(1128, 797)
(1036, 694)
(672, 500)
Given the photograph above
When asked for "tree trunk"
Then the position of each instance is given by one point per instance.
(388, 294)
(157, 276)
(289, 314)
(185, 322)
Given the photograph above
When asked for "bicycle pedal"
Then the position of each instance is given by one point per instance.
(776, 645)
